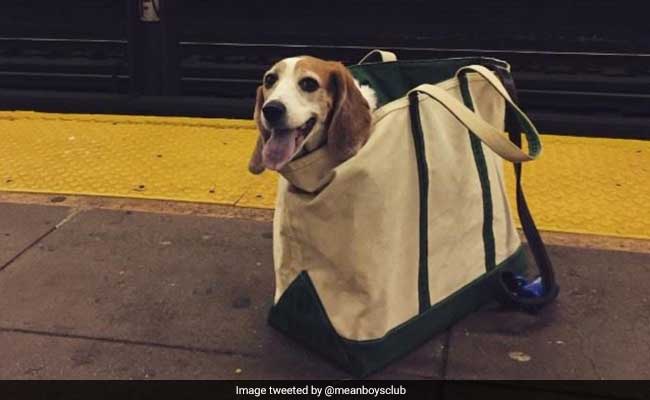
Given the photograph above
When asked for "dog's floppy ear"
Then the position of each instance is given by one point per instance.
(351, 119)
(256, 166)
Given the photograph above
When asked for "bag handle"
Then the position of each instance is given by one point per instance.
(384, 56)
(532, 136)
(529, 296)
(494, 138)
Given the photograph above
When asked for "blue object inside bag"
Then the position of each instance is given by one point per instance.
(525, 288)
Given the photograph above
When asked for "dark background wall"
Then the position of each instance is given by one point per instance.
(96, 19)
(582, 66)
(572, 25)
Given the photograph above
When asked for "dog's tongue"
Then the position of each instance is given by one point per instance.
(279, 149)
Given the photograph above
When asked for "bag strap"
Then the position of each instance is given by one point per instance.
(494, 138)
(532, 136)
(384, 56)
(513, 286)
(528, 296)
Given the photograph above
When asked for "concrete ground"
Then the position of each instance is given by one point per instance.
(91, 292)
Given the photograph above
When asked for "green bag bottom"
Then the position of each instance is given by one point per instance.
(300, 315)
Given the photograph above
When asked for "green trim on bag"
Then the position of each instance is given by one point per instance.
(301, 315)
(424, 298)
(486, 190)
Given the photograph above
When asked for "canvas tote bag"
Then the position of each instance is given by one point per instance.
(375, 255)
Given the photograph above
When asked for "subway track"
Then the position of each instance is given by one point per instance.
(604, 94)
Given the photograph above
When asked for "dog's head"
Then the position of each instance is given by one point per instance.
(304, 95)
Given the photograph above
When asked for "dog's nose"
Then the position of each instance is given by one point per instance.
(274, 111)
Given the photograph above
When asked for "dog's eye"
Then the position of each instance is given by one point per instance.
(269, 80)
(308, 84)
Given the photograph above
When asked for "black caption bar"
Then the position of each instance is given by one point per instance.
(420, 390)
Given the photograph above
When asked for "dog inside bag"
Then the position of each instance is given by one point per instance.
(391, 219)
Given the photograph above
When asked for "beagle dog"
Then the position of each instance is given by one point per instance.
(305, 103)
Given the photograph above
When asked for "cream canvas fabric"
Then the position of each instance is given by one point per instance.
(351, 227)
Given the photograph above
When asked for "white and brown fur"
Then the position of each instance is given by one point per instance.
(334, 108)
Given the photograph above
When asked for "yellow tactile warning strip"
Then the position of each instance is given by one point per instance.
(579, 185)
(145, 157)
